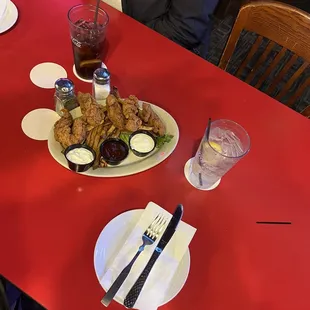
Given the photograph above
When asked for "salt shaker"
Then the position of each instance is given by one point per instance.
(101, 85)
(64, 95)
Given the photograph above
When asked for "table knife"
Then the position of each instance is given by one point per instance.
(134, 292)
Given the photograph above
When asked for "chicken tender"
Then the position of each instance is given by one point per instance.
(84, 100)
(130, 109)
(133, 123)
(68, 131)
(152, 119)
(130, 106)
(65, 121)
(115, 113)
(92, 111)
(79, 129)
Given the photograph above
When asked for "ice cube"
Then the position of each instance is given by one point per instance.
(232, 145)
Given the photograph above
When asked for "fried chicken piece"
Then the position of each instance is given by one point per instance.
(130, 108)
(152, 119)
(132, 99)
(146, 112)
(129, 105)
(68, 131)
(62, 135)
(94, 115)
(79, 129)
(66, 120)
(114, 91)
(92, 111)
(84, 100)
(115, 113)
(133, 123)
(131, 119)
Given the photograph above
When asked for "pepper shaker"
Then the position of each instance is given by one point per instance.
(64, 97)
(101, 85)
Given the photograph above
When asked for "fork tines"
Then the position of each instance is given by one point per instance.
(156, 227)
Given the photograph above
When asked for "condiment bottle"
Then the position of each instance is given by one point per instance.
(101, 85)
(64, 97)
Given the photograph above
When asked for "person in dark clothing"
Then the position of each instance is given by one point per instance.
(4, 304)
(186, 22)
(12, 298)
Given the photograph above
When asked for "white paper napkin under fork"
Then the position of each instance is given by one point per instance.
(159, 279)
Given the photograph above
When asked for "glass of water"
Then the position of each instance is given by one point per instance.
(221, 147)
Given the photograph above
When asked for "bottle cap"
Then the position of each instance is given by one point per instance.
(64, 86)
(102, 76)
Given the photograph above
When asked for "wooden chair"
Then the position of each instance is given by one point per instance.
(306, 112)
(283, 25)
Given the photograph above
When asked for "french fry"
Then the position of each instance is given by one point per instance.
(89, 128)
(110, 131)
(146, 128)
(88, 137)
(116, 133)
(98, 155)
(97, 137)
(92, 136)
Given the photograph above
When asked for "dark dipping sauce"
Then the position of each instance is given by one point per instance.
(114, 151)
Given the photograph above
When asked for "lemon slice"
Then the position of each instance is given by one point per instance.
(209, 150)
(90, 62)
(216, 146)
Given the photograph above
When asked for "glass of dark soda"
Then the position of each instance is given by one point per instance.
(87, 38)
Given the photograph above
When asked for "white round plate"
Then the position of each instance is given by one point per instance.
(3, 7)
(111, 240)
(132, 164)
(9, 18)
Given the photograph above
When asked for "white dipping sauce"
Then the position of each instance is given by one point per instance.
(80, 156)
(142, 143)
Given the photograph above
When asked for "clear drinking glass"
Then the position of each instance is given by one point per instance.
(228, 142)
(87, 38)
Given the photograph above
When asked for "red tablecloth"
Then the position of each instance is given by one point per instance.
(50, 218)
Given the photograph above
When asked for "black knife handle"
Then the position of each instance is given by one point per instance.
(134, 292)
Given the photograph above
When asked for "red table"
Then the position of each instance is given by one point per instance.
(50, 218)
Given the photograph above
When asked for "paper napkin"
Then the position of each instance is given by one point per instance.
(159, 280)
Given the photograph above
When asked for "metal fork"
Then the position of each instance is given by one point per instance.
(148, 238)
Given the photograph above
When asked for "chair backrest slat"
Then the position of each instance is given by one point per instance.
(306, 112)
(278, 78)
(292, 80)
(251, 53)
(271, 67)
(262, 59)
(299, 92)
